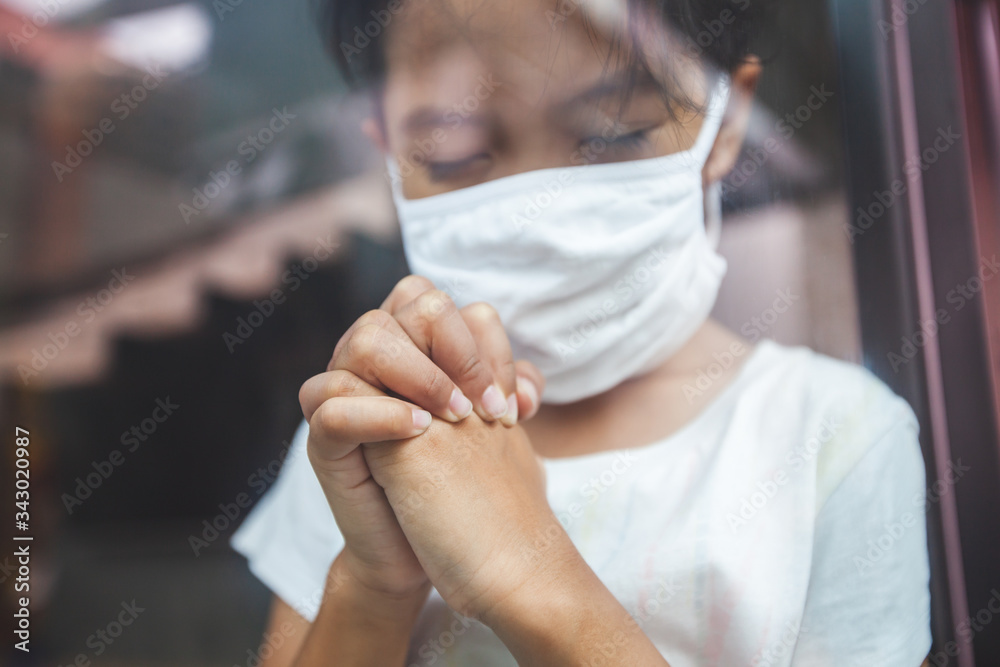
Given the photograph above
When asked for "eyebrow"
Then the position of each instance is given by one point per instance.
(429, 117)
(612, 87)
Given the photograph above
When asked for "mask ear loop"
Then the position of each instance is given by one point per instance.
(713, 191)
(713, 213)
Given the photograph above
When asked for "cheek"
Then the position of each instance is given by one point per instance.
(674, 137)
(411, 153)
(412, 178)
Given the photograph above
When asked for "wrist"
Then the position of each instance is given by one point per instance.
(370, 596)
(543, 618)
(359, 625)
(546, 569)
(564, 615)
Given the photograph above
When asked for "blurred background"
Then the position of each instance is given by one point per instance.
(190, 218)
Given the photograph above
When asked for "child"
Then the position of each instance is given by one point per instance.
(589, 503)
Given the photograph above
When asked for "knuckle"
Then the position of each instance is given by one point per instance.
(471, 369)
(399, 421)
(343, 383)
(508, 368)
(341, 348)
(364, 344)
(414, 284)
(329, 419)
(373, 350)
(434, 304)
(481, 311)
(378, 318)
(437, 385)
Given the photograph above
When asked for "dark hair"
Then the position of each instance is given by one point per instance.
(724, 32)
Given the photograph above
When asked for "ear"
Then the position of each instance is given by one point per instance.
(372, 129)
(725, 151)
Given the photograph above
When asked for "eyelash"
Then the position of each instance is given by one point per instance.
(442, 171)
(635, 139)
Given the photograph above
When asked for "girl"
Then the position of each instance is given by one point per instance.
(595, 502)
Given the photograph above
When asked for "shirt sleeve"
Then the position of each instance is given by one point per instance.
(868, 602)
(290, 538)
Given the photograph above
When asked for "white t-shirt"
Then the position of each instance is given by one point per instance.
(784, 525)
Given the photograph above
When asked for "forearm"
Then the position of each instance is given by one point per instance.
(570, 618)
(356, 627)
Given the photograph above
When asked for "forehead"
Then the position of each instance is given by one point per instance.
(538, 50)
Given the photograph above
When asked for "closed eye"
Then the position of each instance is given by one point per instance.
(452, 169)
(635, 139)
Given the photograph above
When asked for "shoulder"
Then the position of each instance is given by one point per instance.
(837, 413)
(869, 568)
(821, 379)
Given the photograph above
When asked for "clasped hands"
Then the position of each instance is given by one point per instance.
(426, 485)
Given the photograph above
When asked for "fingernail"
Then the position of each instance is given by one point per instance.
(527, 388)
(494, 402)
(459, 405)
(510, 418)
(421, 420)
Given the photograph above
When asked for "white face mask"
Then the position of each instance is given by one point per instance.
(599, 272)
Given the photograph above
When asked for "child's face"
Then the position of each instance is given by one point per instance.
(480, 89)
